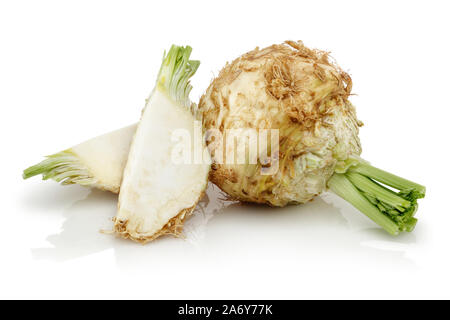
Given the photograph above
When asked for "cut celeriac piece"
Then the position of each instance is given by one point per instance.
(157, 193)
(98, 162)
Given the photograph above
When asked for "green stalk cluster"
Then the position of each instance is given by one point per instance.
(63, 167)
(389, 200)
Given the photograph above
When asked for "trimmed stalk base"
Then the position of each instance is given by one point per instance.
(366, 188)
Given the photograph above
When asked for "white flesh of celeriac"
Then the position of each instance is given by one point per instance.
(98, 162)
(157, 193)
(106, 156)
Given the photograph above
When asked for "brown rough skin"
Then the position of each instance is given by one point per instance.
(174, 228)
(298, 91)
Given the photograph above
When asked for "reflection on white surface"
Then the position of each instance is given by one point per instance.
(227, 234)
(80, 235)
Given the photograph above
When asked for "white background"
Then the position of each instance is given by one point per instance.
(70, 70)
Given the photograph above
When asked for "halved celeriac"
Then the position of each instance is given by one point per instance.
(157, 193)
(98, 162)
